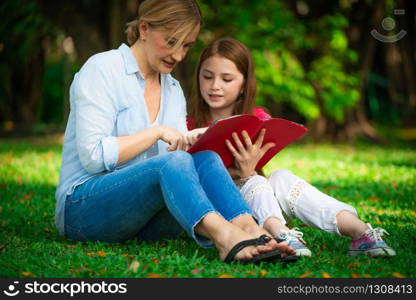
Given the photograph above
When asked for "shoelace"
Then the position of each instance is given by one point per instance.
(294, 232)
(376, 233)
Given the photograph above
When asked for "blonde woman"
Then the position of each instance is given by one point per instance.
(124, 173)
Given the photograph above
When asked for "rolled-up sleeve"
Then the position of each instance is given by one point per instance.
(95, 118)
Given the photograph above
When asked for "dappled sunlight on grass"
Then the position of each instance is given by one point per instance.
(380, 183)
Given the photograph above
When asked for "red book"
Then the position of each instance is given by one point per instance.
(279, 131)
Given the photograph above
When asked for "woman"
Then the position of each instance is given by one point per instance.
(124, 173)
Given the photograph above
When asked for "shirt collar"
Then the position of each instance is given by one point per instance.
(129, 61)
(131, 64)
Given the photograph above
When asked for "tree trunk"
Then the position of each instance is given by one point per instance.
(27, 83)
(357, 123)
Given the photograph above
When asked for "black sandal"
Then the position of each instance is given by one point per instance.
(273, 255)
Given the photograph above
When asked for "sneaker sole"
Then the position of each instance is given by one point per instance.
(303, 252)
(374, 252)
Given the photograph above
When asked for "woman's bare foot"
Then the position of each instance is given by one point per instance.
(226, 235)
(246, 223)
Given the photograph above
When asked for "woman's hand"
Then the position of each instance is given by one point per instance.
(247, 156)
(192, 136)
(175, 139)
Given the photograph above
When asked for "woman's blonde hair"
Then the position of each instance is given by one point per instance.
(240, 55)
(178, 16)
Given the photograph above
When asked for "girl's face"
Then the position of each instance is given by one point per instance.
(221, 84)
(162, 55)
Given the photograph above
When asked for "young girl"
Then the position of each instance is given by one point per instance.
(226, 86)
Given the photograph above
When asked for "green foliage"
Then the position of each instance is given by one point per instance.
(27, 35)
(298, 59)
(379, 182)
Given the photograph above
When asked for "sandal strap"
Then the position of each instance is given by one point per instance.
(262, 240)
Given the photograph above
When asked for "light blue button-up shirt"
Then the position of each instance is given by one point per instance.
(107, 101)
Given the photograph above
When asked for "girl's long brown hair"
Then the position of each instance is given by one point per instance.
(239, 54)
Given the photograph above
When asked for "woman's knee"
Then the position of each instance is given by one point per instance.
(178, 158)
(208, 157)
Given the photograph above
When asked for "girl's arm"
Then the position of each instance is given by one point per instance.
(247, 155)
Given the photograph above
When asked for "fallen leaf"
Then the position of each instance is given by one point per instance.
(355, 275)
(353, 265)
(80, 270)
(226, 275)
(195, 271)
(398, 275)
(155, 260)
(101, 253)
(263, 273)
(304, 275)
(27, 197)
(326, 275)
(367, 276)
(154, 275)
(374, 199)
(330, 188)
(134, 266)
(27, 274)
(300, 163)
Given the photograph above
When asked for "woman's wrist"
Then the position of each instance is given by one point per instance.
(159, 131)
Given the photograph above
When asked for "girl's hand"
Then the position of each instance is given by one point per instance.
(174, 138)
(192, 136)
(247, 156)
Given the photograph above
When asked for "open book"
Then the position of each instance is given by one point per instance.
(279, 131)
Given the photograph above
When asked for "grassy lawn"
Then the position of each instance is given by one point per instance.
(379, 181)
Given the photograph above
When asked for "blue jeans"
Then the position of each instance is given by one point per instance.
(154, 199)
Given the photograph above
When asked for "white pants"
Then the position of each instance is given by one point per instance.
(287, 196)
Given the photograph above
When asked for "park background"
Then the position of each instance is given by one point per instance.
(317, 63)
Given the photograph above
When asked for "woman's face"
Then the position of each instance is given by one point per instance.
(221, 83)
(162, 55)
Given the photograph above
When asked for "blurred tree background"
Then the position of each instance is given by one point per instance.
(316, 60)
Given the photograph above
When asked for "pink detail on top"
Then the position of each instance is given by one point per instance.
(363, 239)
(259, 112)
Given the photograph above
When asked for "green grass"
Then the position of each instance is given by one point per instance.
(379, 181)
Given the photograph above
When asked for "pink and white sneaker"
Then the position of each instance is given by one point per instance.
(371, 243)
